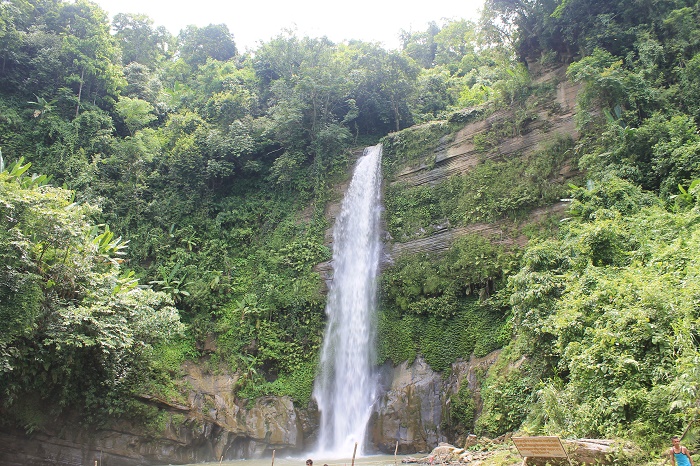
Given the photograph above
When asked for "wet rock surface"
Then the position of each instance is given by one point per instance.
(212, 425)
(412, 408)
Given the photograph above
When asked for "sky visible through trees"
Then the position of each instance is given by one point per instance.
(251, 22)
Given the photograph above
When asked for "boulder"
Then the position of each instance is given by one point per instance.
(409, 410)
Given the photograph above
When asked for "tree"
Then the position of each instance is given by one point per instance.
(381, 85)
(75, 330)
(139, 41)
(12, 15)
(421, 46)
(455, 40)
(215, 41)
(136, 113)
(432, 93)
(690, 88)
(31, 56)
(91, 54)
(141, 83)
(397, 83)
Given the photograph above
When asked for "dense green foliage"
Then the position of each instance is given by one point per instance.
(494, 189)
(213, 167)
(75, 328)
(603, 313)
(216, 168)
(440, 305)
(611, 306)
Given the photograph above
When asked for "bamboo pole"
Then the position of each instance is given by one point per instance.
(353, 455)
(273, 458)
(396, 450)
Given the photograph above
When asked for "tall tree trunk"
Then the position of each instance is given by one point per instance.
(395, 106)
(80, 92)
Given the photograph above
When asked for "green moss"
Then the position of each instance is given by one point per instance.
(443, 306)
(396, 342)
(297, 384)
(435, 284)
(474, 330)
(507, 394)
(497, 132)
(467, 115)
(462, 409)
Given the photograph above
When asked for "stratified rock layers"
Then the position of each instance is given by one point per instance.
(211, 425)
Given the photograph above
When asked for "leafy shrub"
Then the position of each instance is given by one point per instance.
(87, 338)
(506, 396)
(297, 384)
(606, 310)
(412, 146)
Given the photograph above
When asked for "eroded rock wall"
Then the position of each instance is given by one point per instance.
(211, 425)
(414, 401)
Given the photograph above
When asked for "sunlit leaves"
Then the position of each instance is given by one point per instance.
(139, 41)
(172, 281)
(136, 113)
(613, 315)
(109, 248)
(213, 41)
(77, 326)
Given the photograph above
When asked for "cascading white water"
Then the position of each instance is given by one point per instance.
(345, 386)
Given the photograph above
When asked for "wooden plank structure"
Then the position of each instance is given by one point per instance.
(540, 447)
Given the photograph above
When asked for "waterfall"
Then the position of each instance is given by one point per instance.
(345, 386)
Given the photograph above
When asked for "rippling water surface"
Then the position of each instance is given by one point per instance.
(380, 460)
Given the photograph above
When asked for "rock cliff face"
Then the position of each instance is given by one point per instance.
(459, 153)
(211, 425)
(410, 413)
(411, 410)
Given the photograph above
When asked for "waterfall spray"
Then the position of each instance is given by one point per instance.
(346, 385)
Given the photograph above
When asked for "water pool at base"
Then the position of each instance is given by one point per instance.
(378, 460)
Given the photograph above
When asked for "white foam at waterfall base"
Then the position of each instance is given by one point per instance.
(345, 387)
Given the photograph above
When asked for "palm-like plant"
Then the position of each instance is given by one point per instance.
(109, 249)
(41, 106)
(172, 283)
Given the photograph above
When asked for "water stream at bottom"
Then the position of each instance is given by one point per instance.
(376, 460)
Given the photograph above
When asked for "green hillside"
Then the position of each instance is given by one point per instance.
(163, 198)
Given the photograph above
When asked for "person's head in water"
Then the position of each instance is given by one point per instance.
(309, 462)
